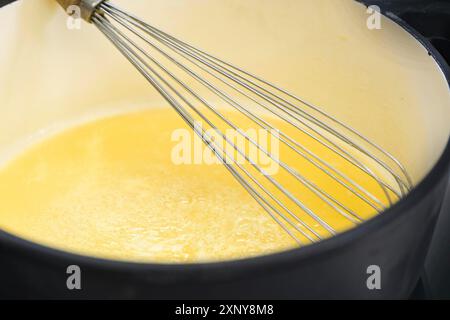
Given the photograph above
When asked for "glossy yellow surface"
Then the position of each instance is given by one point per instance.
(109, 188)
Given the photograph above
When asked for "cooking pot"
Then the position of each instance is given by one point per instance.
(389, 83)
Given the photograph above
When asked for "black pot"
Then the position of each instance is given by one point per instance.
(397, 241)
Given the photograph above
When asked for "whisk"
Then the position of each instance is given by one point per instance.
(203, 88)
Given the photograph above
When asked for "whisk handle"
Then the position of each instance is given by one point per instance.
(87, 7)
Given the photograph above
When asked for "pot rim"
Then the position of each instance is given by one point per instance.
(291, 256)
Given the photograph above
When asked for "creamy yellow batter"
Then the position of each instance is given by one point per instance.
(109, 188)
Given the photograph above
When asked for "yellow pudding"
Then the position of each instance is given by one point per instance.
(110, 188)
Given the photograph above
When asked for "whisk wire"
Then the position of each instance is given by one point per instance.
(141, 24)
(267, 97)
(267, 126)
(323, 195)
(335, 148)
(210, 144)
(185, 115)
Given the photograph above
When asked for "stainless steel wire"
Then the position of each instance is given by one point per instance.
(203, 88)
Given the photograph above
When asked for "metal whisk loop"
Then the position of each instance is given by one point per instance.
(183, 68)
(404, 182)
